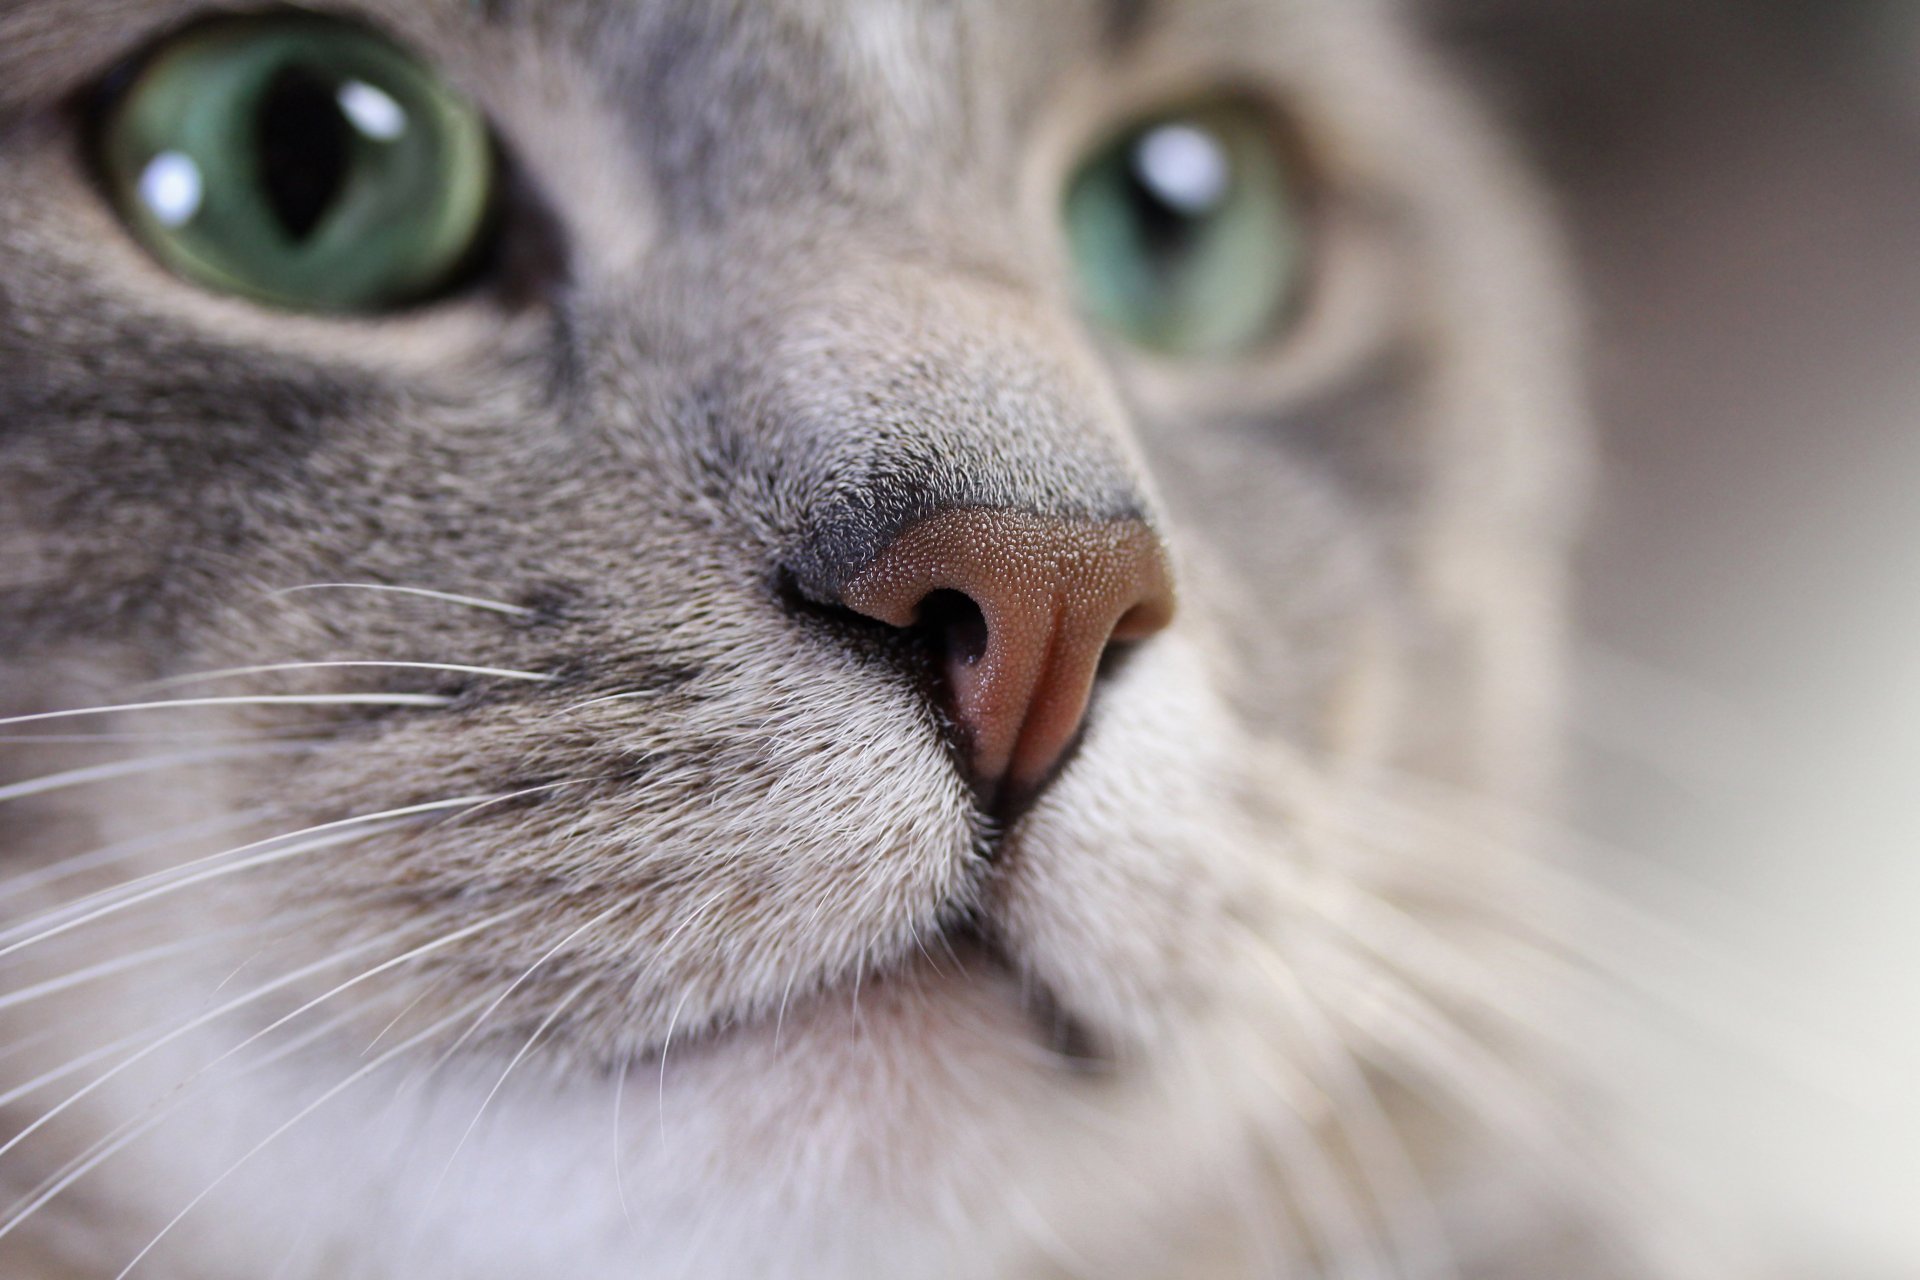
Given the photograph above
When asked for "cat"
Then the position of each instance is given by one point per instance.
(815, 638)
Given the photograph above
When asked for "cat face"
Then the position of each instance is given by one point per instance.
(556, 604)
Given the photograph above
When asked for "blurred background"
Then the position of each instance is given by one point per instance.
(1742, 183)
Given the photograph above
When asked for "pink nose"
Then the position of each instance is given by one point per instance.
(1022, 608)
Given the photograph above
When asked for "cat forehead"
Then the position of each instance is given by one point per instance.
(811, 48)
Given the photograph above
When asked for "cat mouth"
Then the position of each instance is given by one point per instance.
(966, 963)
(1054, 1024)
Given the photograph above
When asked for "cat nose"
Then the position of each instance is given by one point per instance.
(1020, 610)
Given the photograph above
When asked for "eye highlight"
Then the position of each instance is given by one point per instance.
(300, 161)
(1186, 232)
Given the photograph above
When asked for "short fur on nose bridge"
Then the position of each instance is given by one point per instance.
(1053, 594)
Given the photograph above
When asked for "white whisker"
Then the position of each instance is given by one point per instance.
(416, 953)
(394, 1021)
(425, 949)
(119, 964)
(80, 863)
(619, 1165)
(532, 1040)
(272, 668)
(516, 983)
(107, 901)
(27, 1043)
(666, 1046)
(173, 737)
(69, 1067)
(131, 1131)
(1603, 941)
(149, 764)
(353, 1079)
(1410, 1211)
(1332, 1222)
(448, 597)
(780, 1017)
(1444, 1063)
(191, 881)
(261, 700)
(186, 1028)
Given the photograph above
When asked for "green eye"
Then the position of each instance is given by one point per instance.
(299, 161)
(1185, 232)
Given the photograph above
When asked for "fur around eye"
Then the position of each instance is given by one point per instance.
(300, 161)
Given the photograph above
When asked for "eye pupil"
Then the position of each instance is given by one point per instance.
(305, 148)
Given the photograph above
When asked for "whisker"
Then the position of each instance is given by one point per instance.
(1332, 1223)
(353, 1079)
(131, 1131)
(780, 1017)
(28, 1043)
(665, 948)
(136, 891)
(393, 962)
(1411, 945)
(107, 1146)
(292, 1256)
(172, 736)
(395, 1021)
(538, 1033)
(1431, 1055)
(186, 1028)
(81, 863)
(271, 668)
(425, 949)
(107, 1050)
(1412, 1216)
(150, 764)
(619, 1165)
(119, 964)
(448, 597)
(260, 700)
(516, 984)
(1611, 943)
(174, 885)
(72, 1065)
(1422, 1047)
(313, 1106)
(666, 1047)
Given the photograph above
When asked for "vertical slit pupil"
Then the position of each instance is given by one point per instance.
(303, 148)
(1166, 233)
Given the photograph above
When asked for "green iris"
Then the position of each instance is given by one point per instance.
(299, 161)
(1186, 233)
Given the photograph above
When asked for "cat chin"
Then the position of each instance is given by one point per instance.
(923, 1129)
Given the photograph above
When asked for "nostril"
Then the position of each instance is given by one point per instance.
(954, 626)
